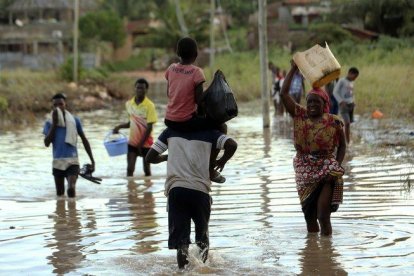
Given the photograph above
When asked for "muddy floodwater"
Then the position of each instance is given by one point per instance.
(256, 227)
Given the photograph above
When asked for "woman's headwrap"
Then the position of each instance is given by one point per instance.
(322, 93)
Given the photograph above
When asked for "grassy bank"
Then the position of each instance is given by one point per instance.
(24, 95)
(384, 81)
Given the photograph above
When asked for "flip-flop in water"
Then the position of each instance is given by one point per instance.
(96, 180)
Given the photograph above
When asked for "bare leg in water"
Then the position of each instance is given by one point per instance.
(348, 132)
(71, 192)
(60, 185)
(319, 217)
(312, 221)
(131, 159)
(146, 166)
(324, 209)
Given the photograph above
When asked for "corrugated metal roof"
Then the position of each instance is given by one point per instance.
(362, 33)
(26, 5)
(301, 2)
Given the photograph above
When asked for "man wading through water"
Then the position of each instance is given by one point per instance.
(62, 130)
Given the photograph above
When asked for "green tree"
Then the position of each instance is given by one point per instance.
(103, 26)
(408, 27)
(3, 8)
(131, 9)
(383, 16)
(329, 32)
(4, 4)
(166, 36)
(66, 69)
(239, 9)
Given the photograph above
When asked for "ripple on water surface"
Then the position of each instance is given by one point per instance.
(120, 226)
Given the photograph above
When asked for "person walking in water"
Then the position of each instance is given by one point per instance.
(188, 184)
(329, 88)
(142, 117)
(344, 95)
(297, 86)
(320, 146)
(277, 81)
(61, 130)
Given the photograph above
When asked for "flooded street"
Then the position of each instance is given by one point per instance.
(256, 227)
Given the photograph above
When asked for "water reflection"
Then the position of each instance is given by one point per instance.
(373, 228)
(67, 254)
(347, 164)
(142, 207)
(283, 127)
(267, 136)
(319, 257)
(265, 181)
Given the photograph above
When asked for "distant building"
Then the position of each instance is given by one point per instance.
(306, 11)
(289, 19)
(361, 33)
(134, 29)
(39, 32)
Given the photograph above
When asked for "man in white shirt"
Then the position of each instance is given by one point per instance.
(188, 184)
(344, 95)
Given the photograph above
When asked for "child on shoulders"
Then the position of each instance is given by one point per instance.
(185, 98)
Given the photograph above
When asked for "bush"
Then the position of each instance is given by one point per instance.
(237, 38)
(104, 26)
(242, 75)
(96, 74)
(329, 32)
(384, 81)
(389, 43)
(135, 62)
(66, 70)
(386, 50)
(4, 104)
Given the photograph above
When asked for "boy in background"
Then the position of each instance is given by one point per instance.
(142, 117)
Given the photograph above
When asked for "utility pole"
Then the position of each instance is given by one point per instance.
(212, 46)
(180, 18)
(262, 24)
(75, 40)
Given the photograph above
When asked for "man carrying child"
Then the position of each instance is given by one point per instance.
(188, 184)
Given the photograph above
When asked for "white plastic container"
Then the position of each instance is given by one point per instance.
(318, 65)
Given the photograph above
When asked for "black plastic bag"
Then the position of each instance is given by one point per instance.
(219, 101)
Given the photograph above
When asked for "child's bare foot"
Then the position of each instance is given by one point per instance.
(215, 176)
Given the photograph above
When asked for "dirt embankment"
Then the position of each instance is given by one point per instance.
(95, 95)
(22, 108)
(150, 76)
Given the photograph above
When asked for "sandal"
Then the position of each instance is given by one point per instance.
(218, 178)
(86, 173)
